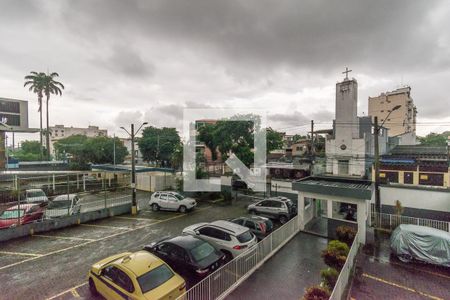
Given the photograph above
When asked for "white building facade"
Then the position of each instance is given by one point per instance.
(350, 149)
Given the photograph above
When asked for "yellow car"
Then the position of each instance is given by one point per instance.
(138, 275)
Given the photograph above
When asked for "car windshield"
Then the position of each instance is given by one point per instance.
(202, 251)
(59, 204)
(244, 237)
(178, 196)
(36, 194)
(11, 214)
(154, 278)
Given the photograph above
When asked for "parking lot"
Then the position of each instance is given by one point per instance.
(380, 276)
(54, 265)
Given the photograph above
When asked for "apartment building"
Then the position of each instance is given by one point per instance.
(401, 120)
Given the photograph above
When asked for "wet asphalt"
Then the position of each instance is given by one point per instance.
(55, 264)
(382, 276)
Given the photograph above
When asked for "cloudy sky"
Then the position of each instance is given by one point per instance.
(134, 61)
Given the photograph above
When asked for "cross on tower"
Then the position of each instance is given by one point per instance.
(346, 72)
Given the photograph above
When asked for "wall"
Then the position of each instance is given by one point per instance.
(155, 181)
(423, 203)
(52, 224)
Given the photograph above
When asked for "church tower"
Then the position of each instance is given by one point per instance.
(346, 123)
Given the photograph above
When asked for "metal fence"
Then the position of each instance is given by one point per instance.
(27, 199)
(224, 280)
(390, 221)
(344, 275)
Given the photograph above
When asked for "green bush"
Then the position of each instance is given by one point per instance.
(346, 234)
(316, 293)
(335, 254)
(329, 277)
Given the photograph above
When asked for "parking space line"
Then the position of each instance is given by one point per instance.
(62, 237)
(105, 226)
(21, 254)
(68, 291)
(75, 293)
(138, 219)
(90, 242)
(401, 286)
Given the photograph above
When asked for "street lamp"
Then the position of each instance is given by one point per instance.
(377, 162)
(132, 135)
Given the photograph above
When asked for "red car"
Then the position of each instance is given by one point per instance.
(25, 213)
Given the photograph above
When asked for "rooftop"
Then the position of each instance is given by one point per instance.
(419, 150)
(336, 186)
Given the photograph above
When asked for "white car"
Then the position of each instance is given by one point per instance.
(171, 201)
(63, 205)
(230, 238)
(35, 196)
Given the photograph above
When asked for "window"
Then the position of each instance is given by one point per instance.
(163, 197)
(250, 225)
(215, 233)
(263, 203)
(408, 178)
(124, 281)
(154, 278)
(245, 237)
(59, 204)
(238, 221)
(431, 179)
(202, 251)
(165, 248)
(11, 214)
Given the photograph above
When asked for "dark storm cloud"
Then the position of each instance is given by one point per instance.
(317, 34)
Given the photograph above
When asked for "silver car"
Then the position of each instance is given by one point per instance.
(232, 239)
(421, 243)
(63, 205)
(171, 201)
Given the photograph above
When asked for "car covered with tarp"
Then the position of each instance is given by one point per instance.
(421, 243)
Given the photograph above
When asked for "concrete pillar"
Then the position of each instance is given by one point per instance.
(329, 208)
(361, 219)
(301, 211)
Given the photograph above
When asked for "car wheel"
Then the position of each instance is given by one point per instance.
(283, 219)
(92, 287)
(155, 207)
(406, 258)
(252, 212)
(182, 209)
(228, 255)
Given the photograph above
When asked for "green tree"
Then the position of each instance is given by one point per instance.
(50, 87)
(31, 147)
(29, 151)
(236, 136)
(159, 144)
(435, 139)
(82, 150)
(35, 81)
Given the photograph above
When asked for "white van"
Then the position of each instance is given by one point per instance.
(35, 196)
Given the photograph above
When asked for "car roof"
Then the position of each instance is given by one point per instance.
(229, 227)
(253, 218)
(64, 197)
(424, 230)
(139, 262)
(185, 241)
(22, 206)
(34, 190)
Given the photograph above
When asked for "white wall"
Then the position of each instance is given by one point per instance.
(415, 198)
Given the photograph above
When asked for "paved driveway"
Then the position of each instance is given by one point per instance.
(286, 275)
(380, 276)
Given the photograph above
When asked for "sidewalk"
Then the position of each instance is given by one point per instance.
(286, 275)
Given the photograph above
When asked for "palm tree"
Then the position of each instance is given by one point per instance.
(51, 86)
(36, 83)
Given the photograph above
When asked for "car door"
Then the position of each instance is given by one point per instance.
(263, 207)
(163, 202)
(117, 284)
(172, 202)
(163, 250)
(216, 236)
(176, 255)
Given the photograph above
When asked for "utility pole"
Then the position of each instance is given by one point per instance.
(312, 154)
(377, 170)
(132, 135)
(133, 175)
(114, 152)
